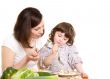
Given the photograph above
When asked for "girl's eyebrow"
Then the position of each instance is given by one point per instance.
(59, 33)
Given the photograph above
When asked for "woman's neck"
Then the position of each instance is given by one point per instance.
(33, 42)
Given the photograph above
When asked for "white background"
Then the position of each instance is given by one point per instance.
(90, 18)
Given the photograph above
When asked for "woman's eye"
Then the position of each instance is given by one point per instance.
(36, 29)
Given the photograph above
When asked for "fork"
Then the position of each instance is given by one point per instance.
(59, 59)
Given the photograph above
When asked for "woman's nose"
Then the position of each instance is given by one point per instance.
(41, 30)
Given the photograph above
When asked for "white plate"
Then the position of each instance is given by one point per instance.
(68, 75)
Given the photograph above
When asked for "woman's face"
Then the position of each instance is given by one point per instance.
(37, 31)
(59, 38)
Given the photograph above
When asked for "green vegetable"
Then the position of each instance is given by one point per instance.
(8, 73)
(24, 73)
(45, 75)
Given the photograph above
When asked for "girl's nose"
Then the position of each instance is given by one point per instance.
(61, 39)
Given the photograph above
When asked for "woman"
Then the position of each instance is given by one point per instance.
(19, 50)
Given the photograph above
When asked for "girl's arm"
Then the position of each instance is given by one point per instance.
(79, 68)
(48, 60)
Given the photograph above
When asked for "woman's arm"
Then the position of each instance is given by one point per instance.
(8, 59)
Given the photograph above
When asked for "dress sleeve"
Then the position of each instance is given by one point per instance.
(73, 56)
(9, 42)
(44, 52)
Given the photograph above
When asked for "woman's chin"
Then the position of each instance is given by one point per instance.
(37, 37)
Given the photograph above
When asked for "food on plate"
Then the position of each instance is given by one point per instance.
(74, 74)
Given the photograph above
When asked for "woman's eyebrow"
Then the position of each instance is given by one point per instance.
(37, 28)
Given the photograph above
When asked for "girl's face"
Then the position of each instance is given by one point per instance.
(59, 38)
(37, 31)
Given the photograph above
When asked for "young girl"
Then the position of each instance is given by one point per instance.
(59, 53)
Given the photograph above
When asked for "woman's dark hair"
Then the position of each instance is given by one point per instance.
(66, 28)
(27, 19)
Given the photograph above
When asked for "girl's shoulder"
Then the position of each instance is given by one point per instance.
(73, 49)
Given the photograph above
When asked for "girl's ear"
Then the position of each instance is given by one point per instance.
(50, 35)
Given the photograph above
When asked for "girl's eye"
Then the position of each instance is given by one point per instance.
(65, 39)
(59, 35)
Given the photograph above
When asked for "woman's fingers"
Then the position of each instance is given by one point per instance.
(37, 50)
(33, 54)
(35, 58)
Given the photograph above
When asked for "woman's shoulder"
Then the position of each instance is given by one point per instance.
(9, 36)
(9, 40)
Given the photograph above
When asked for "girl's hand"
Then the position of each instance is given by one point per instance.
(32, 54)
(55, 48)
(84, 76)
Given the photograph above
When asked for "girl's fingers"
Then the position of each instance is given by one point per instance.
(84, 76)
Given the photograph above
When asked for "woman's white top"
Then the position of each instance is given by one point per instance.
(19, 52)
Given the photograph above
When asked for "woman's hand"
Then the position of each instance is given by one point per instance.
(32, 54)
